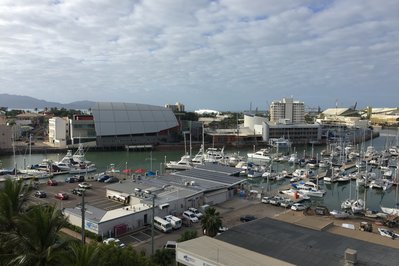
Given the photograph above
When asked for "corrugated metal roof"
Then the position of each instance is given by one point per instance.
(213, 251)
(209, 175)
(306, 246)
(112, 118)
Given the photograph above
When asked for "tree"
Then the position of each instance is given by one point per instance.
(164, 256)
(187, 235)
(12, 198)
(211, 222)
(80, 254)
(35, 239)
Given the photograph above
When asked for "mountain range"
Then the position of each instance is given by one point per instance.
(27, 102)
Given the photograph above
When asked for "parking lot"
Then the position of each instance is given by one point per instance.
(94, 196)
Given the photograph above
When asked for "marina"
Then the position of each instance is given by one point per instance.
(155, 161)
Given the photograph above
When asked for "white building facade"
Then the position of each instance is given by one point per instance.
(287, 111)
(57, 131)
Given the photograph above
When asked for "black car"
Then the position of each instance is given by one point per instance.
(247, 218)
(40, 194)
(112, 179)
(70, 179)
(102, 178)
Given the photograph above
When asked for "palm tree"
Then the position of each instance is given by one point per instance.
(211, 222)
(12, 198)
(35, 239)
(79, 254)
(164, 257)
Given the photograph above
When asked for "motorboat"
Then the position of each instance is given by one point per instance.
(388, 233)
(390, 211)
(312, 192)
(347, 204)
(183, 164)
(262, 154)
(293, 158)
(358, 206)
(339, 214)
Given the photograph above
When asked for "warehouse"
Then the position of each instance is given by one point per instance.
(124, 124)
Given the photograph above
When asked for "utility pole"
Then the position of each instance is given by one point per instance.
(152, 225)
(83, 217)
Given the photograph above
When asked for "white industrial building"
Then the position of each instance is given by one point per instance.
(57, 131)
(171, 194)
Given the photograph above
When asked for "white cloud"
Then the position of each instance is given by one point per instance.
(206, 54)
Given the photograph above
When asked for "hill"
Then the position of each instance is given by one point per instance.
(27, 102)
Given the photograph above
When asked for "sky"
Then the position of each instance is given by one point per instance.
(227, 55)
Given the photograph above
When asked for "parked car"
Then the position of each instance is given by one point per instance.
(52, 182)
(298, 207)
(40, 194)
(112, 179)
(247, 218)
(286, 203)
(196, 212)
(276, 200)
(170, 245)
(266, 200)
(114, 241)
(79, 178)
(191, 216)
(77, 191)
(70, 179)
(102, 178)
(61, 196)
(84, 185)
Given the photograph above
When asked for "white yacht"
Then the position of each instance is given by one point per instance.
(183, 164)
(262, 154)
(390, 211)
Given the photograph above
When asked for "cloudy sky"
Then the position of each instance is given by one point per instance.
(223, 55)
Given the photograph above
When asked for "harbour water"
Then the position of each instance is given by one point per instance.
(336, 193)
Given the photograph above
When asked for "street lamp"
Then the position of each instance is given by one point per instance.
(152, 225)
(83, 216)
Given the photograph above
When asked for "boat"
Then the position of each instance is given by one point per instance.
(262, 154)
(75, 163)
(183, 164)
(312, 192)
(347, 204)
(388, 233)
(214, 155)
(339, 214)
(293, 158)
(358, 206)
(390, 211)
(280, 143)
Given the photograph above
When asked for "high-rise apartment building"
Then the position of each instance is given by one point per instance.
(287, 111)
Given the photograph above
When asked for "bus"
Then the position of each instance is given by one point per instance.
(162, 225)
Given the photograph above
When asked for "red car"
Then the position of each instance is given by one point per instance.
(61, 196)
(52, 182)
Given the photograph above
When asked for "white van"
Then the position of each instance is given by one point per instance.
(175, 221)
(162, 224)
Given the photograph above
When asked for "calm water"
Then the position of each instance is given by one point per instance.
(336, 193)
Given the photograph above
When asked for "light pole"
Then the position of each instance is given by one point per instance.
(152, 225)
(83, 217)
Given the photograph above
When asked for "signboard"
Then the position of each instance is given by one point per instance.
(188, 259)
(93, 227)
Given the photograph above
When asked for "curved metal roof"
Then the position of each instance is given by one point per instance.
(112, 118)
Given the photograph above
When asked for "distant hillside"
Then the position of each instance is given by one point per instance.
(26, 102)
